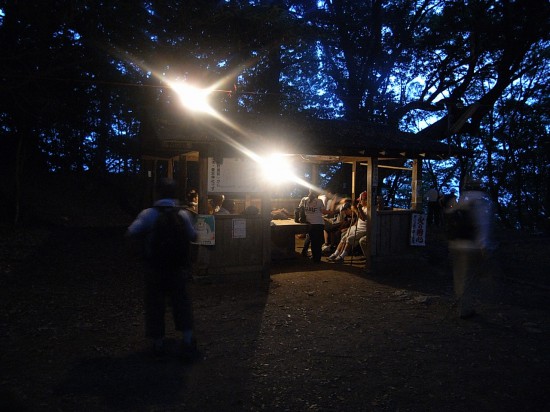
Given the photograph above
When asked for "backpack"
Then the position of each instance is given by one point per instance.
(169, 242)
(460, 224)
(447, 200)
(300, 215)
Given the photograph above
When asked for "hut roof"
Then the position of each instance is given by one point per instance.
(173, 133)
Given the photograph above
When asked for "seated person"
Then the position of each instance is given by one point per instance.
(227, 207)
(251, 210)
(335, 226)
(355, 232)
(333, 202)
(215, 203)
(192, 201)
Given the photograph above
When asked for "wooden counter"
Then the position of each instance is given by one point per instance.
(283, 238)
(235, 254)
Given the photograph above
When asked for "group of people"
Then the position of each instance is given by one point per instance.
(221, 205)
(218, 204)
(347, 221)
(340, 220)
(335, 229)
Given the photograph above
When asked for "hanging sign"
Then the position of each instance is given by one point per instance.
(233, 175)
(239, 228)
(418, 229)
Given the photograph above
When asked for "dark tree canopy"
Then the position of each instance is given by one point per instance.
(74, 85)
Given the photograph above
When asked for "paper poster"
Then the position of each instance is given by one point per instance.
(239, 228)
(205, 227)
(418, 229)
(233, 175)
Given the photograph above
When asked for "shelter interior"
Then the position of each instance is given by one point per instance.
(186, 149)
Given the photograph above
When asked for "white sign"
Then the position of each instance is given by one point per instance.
(418, 229)
(239, 228)
(233, 175)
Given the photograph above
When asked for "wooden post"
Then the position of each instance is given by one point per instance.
(266, 233)
(315, 174)
(372, 185)
(353, 180)
(416, 197)
(155, 180)
(203, 180)
(182, 177)
(170, 168)
(148, 167)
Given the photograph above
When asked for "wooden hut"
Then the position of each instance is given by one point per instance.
(243, 242)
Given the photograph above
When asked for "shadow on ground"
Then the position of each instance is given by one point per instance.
(312, 337)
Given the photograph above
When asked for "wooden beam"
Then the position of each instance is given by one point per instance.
(416, 197)
(353, 179)
(394, 167)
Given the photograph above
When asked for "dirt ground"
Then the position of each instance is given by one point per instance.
(312, 337)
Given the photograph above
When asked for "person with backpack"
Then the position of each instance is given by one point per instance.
(468, 227)
(166, 232)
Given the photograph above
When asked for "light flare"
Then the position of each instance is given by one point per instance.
(276, 168)
(193, 98)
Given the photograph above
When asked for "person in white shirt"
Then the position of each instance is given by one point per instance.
(314, 210)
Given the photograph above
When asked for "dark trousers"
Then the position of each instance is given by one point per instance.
(160, 283)
(317, 238)
(467, 266)
(434, 213)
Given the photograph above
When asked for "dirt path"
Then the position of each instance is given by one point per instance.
(325, 337)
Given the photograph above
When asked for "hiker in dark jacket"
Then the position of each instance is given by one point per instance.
(470, 245)
(166, 277)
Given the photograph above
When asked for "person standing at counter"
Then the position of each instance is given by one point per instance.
(314, 209)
